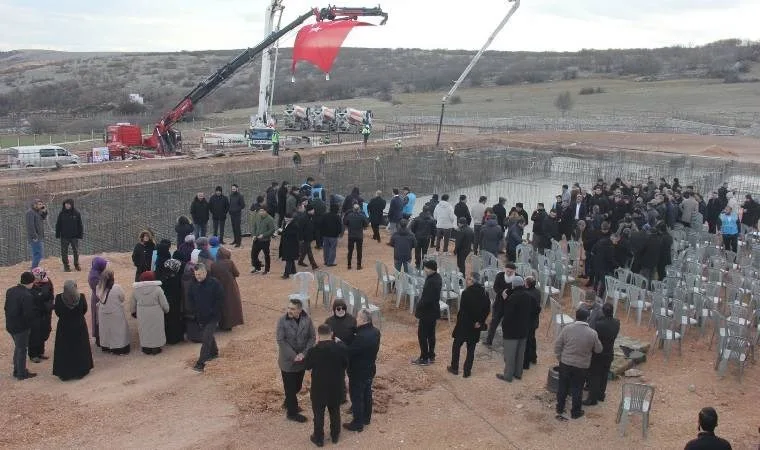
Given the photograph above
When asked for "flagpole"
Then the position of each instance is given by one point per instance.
(472, 64)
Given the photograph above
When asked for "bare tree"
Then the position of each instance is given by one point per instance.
(564, 102)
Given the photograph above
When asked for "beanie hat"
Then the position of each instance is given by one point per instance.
(213, 241)
(462, 221)
(148, 276)
(430, 264)
(518, 281)
(27, 278)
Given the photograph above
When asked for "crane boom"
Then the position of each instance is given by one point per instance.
(165, 137)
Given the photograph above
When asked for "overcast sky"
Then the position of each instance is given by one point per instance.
(173, 25)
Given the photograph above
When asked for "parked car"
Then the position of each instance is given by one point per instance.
(39, 156)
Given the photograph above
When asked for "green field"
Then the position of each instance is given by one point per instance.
(694, 99)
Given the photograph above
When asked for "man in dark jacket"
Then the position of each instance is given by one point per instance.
(428, 311)
(199, 212)
(605, 260)
(538, 226)
(403, 243)
(219, 205)
(35, 230)
(355, 223)
(271, 198)
(518, 316)
(423, 227)
(550, 229)
(237, 205)
(491, 236)
(205, 297)
(514, 238)
(295, 336)
(69, 229)
(395, 211)
(463, 244)
(707, 440)
(327, 361)
(282, 200)
(607, 329)
(471, 320)
(330, 228)
(531, 356)
(306, 225)
(501, 213)
(362, 357)
(375, 208)
(714, 208)
(342, 324)
(19, 314)
(462, 211)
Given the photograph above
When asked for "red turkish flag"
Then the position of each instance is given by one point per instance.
(320, 43)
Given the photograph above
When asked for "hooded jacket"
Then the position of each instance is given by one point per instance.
(491, 236)
(403, 243)
(423, 226)
(35, 226)
(69, 223)
(444, 216)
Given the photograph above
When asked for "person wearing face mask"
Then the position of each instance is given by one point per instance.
(502, 286)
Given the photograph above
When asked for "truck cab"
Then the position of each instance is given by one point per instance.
(259, 137)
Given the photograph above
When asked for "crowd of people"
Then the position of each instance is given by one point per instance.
(193, 292)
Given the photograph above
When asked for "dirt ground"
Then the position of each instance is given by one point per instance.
(140, 401)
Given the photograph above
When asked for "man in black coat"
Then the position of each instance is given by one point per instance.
(531, 348)
(355, 222)
(714, 207)
(538, 226)
(471, 320)
(375, 208)
(306, 226)
(282, 200)
(219, 205)
(501, 213)
(69, 229)
(707, 440)
(423, 227)
(518, 317)
(271, 198)
(502, 286)
(362, 357)
(462, 211)
(428, 311)
(205, 296)
(19, 314)
(607, 329)
(327, 361)
(199, 212)
(403, 243)
(605, 260)
(237, 205)
(465, 236)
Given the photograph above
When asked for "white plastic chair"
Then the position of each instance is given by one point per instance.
(384, 278)
(303, 282)
(636, 399)
(559, 319)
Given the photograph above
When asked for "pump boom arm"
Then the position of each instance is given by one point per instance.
(163, 134)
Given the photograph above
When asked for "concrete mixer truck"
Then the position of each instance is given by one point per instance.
(297, 117)
(323, 119)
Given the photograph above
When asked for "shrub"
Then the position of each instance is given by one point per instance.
(455, 100)
(129, 107)
(564, 102)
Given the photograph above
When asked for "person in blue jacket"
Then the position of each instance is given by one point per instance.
(729, 229)
(409, 199)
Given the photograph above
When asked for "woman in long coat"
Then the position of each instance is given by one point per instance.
(171, 284)
(44, 295)
(149, 306)
(98, 266)
(225, 271)
(72, 357)
(289, 246)
(114, 330)
(142, 255)
(192, 329)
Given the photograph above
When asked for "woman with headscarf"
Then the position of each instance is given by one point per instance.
(114, 330)
(149, 306)
(225, 272)
(43, 294)
(142, 255)
(72, 357)
(171, 283)
(183, 228)
(163, 254)
(188, 277)
(186, 248)
(98, 266)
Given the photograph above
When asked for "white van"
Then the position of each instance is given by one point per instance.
(39, 156)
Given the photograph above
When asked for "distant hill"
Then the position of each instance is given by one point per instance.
(33, 81)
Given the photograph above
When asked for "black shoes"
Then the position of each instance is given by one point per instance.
(577, 415)
(503, 378)
(421, 362)
(27, 376)
(589, 402)
(351, 426)
(317, 442)
(452, 370)
(300, 418)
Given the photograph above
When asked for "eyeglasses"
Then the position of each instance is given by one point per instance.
(340, 308)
